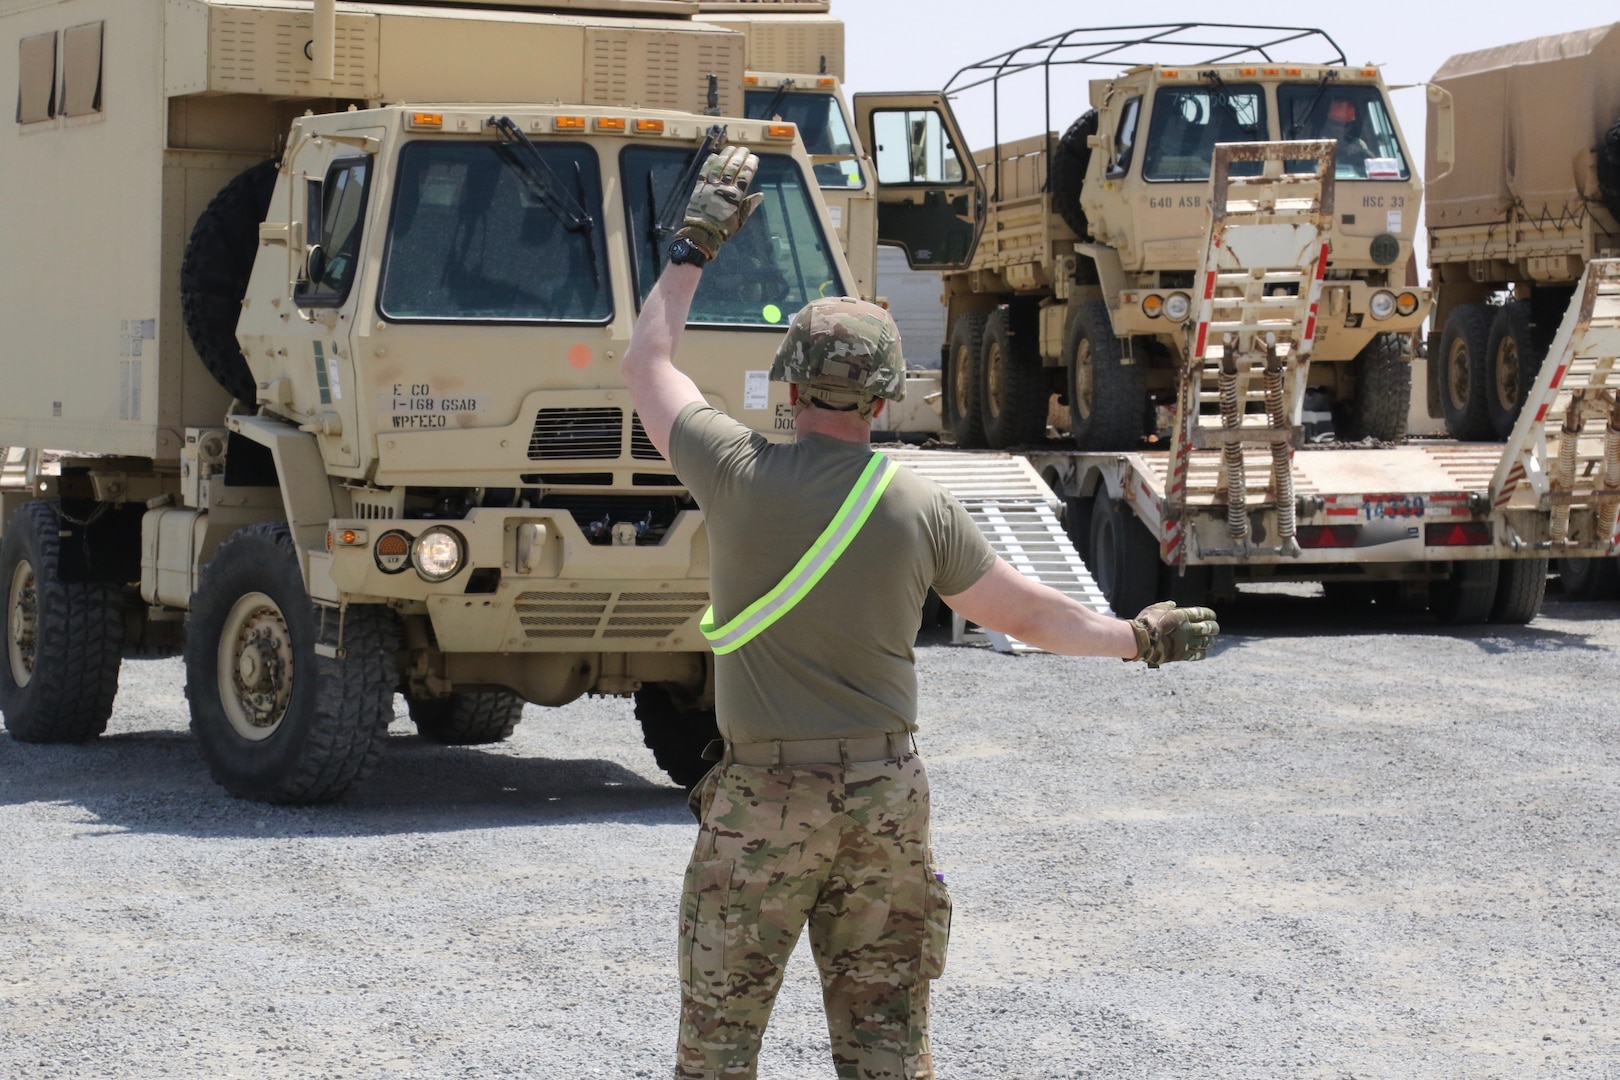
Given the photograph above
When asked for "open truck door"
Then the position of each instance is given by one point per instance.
(930, 195)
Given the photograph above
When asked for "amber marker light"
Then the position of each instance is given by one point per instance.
(649, 127)
(1369, 73)
(1273, 71)
(750, 80)
(1171, 73)
(779, 131)
(1248, 71)
(826, 82)
(568, 123)
(1152, 305)
(1406, 303)
(431, 120)
(610, 123)
(1293, 71)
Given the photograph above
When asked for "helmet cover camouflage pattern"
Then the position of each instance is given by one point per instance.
(843, 351)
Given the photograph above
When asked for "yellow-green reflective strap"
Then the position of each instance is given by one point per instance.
(756, 617)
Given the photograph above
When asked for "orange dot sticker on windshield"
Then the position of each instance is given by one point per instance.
(579, 356)
(772, 313)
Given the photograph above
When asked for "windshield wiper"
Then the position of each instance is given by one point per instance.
(770, 108)
(1294, 119)
(663, 222)
(1223, 97)
(547, 185)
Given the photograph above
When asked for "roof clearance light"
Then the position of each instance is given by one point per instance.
(750, 80)
(1273, 71)
(610, 123)
(1171, 73)
(649, 127)
(1457, 534)
(779, 131)
(826, 82)
(1406, 303)
(427, 120)
(1248, 71)
(1293, 71)
(568, 123)
(1369, 73)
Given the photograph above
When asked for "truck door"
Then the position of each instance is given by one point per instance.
(332, 187)
(930, 194)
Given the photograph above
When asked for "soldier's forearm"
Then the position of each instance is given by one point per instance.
(663, 317)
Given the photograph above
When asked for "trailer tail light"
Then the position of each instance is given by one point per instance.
(1457, 534)
(1327, 536)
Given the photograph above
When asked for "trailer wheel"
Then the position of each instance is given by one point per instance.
(1464, 378)
(214, 276)
(1107, 397)
(1588, 579)
(467, 718)
(64, 640)
(1127, 557)
(1608, 170)
(274, 720)
(1520, 587)
(1070, 159)
(1514, 361)
(676, 736)
(1014, 395)
(1468, 595)
(1077, 516)
(1383, 390)
(963, 415)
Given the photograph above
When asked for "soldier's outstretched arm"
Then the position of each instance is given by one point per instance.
(658, 389)
(1005, 600)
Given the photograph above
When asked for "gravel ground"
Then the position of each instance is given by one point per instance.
(1377, 849)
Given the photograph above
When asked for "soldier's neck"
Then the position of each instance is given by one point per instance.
(847, 426)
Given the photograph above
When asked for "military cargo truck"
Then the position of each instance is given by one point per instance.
(328, 377)
(1083, 290)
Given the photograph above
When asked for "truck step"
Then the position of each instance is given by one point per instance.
(1017, 513)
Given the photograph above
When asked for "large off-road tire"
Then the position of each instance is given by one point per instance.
(1588, 579)
(1014, 394)
(964, 416)
(1464, 374)
(467, 718)
(676, 736)
(1468, 595)
(1383, 374)
(1127, 564)
(276, 721)
(214, 275)
(1608, 169)
(1513, 360)
(1521, 585)
(64, 640)
(1107, 397)
(1077, 515)
(1070, 159)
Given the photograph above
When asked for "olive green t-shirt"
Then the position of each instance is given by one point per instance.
(840, 664)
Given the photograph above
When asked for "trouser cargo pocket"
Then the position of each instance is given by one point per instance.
(705, 910)
(936, 926)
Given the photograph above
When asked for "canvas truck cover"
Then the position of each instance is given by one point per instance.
(1528, 116)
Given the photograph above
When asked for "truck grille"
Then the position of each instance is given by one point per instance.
(606, 616)
(573, 434)
(641, 447)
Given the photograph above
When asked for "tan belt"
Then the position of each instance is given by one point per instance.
(812, 751)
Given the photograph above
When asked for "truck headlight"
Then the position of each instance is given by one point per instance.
(438, 553)
(1382, 305)
(1176, 306)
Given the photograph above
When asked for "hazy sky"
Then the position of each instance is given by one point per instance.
(919, 44)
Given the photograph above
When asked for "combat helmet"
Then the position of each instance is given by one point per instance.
(842, 351)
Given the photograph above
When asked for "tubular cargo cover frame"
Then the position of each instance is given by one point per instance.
(1579, 382)
(1187, 43)
(1267, 234)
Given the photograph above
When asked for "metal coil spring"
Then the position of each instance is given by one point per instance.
(1563, 477)
(1282, 470)
(1609, 505)
(1237, 508)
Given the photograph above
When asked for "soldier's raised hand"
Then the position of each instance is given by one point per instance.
(720, 202)
(1166, 633)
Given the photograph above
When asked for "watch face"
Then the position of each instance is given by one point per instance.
(684, 252)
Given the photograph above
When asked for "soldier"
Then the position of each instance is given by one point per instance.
(823, 553)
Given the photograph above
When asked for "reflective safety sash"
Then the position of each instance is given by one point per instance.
(759, 615)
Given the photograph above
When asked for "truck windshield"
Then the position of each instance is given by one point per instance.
(1187, 122)
(472, 240)
(1355, 118)
(820, 120)
(769, 270)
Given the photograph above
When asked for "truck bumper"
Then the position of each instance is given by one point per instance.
(530, 581)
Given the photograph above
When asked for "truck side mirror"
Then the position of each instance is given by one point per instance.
(1443, 125)
(314, 265)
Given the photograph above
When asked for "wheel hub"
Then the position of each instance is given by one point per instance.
(959, 371)
(1507, 374)
(1457, 368)
(255, 666)
(22, 623)
(993, 361)
(1082, 379)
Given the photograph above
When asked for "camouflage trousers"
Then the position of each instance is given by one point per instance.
(843, 848)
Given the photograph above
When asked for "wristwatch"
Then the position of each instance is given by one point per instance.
(685, 253)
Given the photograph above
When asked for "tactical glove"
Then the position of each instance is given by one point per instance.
(1165, 633)
(720, 202)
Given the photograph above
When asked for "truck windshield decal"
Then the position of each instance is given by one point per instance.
(821, 125)
(1187, 122)
(472, 240)
(775, 266)
(1355, 118)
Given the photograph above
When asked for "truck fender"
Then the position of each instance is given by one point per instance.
(306, 492)
(1110, 272)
